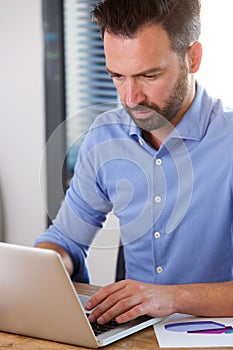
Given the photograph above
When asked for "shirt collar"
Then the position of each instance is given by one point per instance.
(193, 124)
(195, 121)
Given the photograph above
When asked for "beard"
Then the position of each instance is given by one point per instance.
(156, 117)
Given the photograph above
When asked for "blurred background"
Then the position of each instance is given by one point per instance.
(52, 85)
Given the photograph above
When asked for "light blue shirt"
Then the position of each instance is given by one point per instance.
(175, 204)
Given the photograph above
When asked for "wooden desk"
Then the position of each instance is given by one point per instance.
(142, 340)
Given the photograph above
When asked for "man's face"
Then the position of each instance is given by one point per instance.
(151, 80)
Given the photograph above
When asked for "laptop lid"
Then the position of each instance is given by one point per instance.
(39, 300)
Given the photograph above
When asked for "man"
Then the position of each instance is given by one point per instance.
(163, 163)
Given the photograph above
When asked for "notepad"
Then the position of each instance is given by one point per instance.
(186, 331)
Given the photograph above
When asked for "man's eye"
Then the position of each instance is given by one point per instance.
(116, 76)
(151, 76)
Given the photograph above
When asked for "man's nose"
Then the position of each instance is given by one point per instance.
(134, 94)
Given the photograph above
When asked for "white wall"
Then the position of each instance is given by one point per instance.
(21, 118)
(216, 70)
(103, 254)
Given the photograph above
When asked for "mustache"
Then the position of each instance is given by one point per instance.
(143, 107)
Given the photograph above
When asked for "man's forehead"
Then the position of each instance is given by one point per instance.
(146, 52)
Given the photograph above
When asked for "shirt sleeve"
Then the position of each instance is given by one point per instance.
(82, 212)
(76, 251)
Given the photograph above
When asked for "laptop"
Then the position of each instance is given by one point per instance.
(38, 299)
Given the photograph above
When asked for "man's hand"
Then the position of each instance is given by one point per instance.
(128, 299)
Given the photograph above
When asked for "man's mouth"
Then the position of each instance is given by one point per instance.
(140, 112)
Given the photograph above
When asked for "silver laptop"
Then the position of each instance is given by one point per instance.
(38, 299)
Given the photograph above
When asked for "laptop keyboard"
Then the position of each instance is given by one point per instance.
(99, 328)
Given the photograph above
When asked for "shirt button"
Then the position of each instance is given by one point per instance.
(158, 161)
(141, 142)
(158, 199)
(159, 269)
(157, 234)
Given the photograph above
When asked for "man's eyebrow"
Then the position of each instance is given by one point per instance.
(147, 71)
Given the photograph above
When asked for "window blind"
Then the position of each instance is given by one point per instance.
(88, 88)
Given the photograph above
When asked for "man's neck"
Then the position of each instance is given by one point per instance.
(155, 138)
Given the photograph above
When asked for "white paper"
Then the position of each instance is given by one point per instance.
(169, 339)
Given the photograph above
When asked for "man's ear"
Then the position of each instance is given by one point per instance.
(195, 56)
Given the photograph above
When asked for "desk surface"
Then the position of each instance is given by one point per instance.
(144, 339)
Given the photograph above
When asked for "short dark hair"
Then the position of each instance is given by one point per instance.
(179, 18)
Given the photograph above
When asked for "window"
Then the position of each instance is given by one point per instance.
(89, 89)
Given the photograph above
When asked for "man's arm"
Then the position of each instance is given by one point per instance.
(126, 300)
(64, 254)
